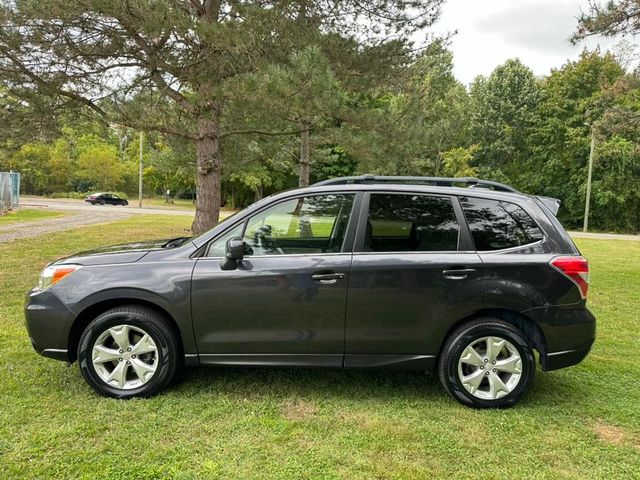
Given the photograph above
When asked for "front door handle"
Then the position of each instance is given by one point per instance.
(327, 278)
(458, 273)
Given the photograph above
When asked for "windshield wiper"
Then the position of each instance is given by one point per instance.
(176, 242)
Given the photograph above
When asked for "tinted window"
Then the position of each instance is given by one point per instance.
(314, 224)
(496, 225)
(406, 223)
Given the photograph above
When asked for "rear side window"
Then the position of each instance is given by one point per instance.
(496, 225)
(411, 223)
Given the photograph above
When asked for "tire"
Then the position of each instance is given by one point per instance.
(102, 202)
(496, 387)
(159, 352)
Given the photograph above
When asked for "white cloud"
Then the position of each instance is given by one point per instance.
(492, 31)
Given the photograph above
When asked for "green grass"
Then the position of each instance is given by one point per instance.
(24, 215)
(581, 422)
(178, 203)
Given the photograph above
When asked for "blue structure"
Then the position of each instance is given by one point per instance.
(9, 190)
(15, 189)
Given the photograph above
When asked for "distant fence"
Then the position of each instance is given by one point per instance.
(9, 190)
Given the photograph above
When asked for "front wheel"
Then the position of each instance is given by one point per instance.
(487, 363)
(128, 352)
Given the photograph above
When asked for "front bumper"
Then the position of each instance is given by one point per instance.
(48, 323)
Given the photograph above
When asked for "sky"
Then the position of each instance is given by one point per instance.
(492, 31)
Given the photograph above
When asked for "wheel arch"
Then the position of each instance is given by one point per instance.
(92, 311)
(526, 325)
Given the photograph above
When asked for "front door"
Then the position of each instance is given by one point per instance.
(413, 276)
(285, 303)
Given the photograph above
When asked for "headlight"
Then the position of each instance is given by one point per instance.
(54, 273)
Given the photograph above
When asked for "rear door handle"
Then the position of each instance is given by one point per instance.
(458, 273)
(327, 278)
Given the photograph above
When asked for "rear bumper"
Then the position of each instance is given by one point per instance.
(48, 323)
(568, 333)
(566, 358)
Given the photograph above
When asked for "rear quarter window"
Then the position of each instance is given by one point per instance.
(496, 225)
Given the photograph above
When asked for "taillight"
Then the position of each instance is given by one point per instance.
(575, 269)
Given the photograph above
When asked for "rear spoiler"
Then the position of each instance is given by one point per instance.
(552, 204)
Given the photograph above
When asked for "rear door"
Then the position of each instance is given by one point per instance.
(285, 303)
(414, 274)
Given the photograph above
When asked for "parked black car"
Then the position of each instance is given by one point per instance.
(359, 272)
(105, 199)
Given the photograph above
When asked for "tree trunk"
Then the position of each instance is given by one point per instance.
(209, 169)
(438, 157)
(303, 179)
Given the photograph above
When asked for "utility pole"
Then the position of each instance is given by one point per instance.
(585, 226)
(140, 173)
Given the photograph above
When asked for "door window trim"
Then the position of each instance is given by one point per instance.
(347, 243)
(463, 233)
(507, 249)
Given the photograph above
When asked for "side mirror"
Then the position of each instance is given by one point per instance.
(235, 249)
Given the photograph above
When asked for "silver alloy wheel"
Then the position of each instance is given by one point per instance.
(125, 357)
(490, 368)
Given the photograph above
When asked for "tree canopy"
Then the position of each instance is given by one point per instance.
(615, 17)
(242, 99)
(172, 67)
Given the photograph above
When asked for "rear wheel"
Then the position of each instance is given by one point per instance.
(128, 352)
(487, 363)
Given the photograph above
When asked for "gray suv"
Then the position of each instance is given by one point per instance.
(461, 277)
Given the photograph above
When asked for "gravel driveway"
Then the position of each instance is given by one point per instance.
(14, 231)
(78, 213)
(81, 206)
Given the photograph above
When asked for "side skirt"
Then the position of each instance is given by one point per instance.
(272, 360)
(390, 361)
(381, 362)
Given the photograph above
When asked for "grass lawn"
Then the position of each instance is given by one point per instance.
(178, 203)
(581, 422)
(24, 215)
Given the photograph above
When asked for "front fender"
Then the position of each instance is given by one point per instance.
(164, 284)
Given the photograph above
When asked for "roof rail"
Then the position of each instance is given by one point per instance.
(436, 181)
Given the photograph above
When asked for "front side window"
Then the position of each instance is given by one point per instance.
(496, 225)
(218, 247)
(313, 224)
(411, 223)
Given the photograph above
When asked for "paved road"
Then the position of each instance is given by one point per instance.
(80, 205)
